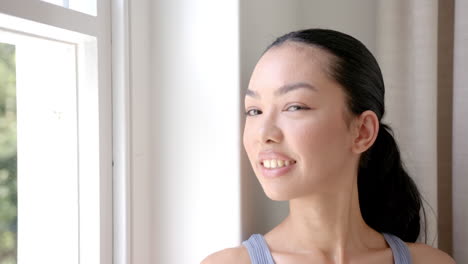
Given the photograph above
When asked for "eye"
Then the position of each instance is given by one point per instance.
(253, 112)
(294, 108)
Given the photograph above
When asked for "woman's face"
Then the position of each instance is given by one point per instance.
(296, 135)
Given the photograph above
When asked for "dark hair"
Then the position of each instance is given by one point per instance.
(389, 199)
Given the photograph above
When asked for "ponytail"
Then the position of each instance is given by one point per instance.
(389, 199)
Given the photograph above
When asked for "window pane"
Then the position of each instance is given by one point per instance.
(84, 6)
(8, 198)
(46, 125)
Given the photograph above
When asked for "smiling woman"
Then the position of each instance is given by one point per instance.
(314, 137)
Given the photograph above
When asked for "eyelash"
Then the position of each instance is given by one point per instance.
(297, 106)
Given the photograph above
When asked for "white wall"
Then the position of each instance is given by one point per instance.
(194, 128)
(185, 134)
(141, 134)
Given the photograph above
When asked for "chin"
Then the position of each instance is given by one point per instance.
(279, 195)
(281, 191)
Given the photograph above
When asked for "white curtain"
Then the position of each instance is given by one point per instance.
(421, 47)
(460, 133)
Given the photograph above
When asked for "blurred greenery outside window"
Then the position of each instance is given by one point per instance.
(8, 156)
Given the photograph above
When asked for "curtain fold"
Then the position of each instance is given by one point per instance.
(421, 47)
(460, 133)
(407, 53)
(445, 124)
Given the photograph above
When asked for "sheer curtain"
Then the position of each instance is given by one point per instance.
(460, 132)
(422, 49)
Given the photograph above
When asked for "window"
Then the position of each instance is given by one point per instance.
(8, 198)
(85, 6)
(55, 134)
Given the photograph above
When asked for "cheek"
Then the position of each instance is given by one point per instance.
(319, 132)
(321, 143)
(247, 139)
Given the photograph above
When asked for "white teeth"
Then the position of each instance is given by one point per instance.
(277, 163)
(273, 164)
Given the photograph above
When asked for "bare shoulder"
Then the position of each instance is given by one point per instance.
(425, 254)
(229, 256)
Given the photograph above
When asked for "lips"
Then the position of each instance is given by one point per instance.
(274, 155)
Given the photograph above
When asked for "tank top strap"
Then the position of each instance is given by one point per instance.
(260, 253)
(401, 253)
(258, 250)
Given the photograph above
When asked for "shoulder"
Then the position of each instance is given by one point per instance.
(229, 256)
(425, 254)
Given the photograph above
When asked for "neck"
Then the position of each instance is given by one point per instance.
(330, 222)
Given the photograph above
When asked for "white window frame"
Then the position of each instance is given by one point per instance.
(122, 136)
(99, 27)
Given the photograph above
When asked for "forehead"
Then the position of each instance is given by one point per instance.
(288, 63)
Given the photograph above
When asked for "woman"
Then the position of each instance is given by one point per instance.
(314, 136)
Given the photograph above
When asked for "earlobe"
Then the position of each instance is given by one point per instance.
(367, 130)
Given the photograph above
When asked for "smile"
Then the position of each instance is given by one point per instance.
(274, 163)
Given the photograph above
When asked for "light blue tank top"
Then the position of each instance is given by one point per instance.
(260, 253)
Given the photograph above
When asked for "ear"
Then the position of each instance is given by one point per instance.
(366, 130)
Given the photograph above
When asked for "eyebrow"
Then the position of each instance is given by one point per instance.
(284, 89)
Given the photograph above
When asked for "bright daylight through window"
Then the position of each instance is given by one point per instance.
(46, 150)
(85, 6)
(8, 155)
(55, 156)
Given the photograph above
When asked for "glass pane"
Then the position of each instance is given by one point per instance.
(8, 154)
(45, 125)
(84, 6)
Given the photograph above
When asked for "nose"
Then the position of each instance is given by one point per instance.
(270, 132)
